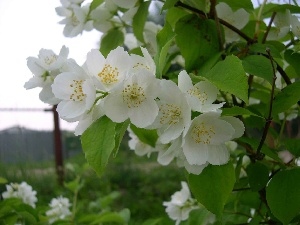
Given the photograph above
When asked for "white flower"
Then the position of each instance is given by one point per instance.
(108, 71)
(22, 191)
(59, 209)
(140, 148)
(204, 141)
(282, 25)
(201, 95)
(77, 22)
(181, 204)
(295, 23)
(89, 117)
(134, 98)
(238, 19)
(45, 68)
(150, 31)
(168, 152)
(140, 62)
(174, 112)
(102, 18)
(76, 91)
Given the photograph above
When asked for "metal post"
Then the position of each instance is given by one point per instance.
(58, 148)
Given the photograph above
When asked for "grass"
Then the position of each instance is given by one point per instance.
(141, 183)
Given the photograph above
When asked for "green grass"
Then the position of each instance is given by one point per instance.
(142, 183)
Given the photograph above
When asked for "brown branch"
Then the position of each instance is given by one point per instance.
(268, 28)
(269, 117)
(223, 22)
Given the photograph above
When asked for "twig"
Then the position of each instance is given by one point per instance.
(269, 117)
(268, 28)
(223, 22)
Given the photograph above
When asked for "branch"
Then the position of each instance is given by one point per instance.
(269, 117)
(268, 28)
(223, 22)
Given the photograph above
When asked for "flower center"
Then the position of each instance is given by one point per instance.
(171, 114)
(133, 95)
(141, 66)
(202, 133)
(77, 94)
(50, 59)
(109, 74)
(74, 20)
(202, 96)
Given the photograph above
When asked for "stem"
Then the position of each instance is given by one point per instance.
(258, 19)
(260, 156)
(269, 27)
(213, 14)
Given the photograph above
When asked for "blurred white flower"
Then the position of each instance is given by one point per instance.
(45, 68)
(181, 204)
(59, 209)
(295, 23)
(238, 19)
(140, 148)
(22, 191)
(76, 21)
(282, 23)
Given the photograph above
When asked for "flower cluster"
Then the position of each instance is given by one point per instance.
(22, 191)
(181, 204)
(59, 209)
(123, 86)
(110, 14)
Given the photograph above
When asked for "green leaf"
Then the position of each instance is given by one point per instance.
(283, 7)
(174, 14)
(261, 48)
(3, 180)
(258, 175)
(237, 111)
(213, 186)
(285, 99)
(283, 195)
(293, 58)
(192, 31)
(235, 5)
(111, 40)
(209, 63)
(139, 20)
(95, 4)
(229, 76)
(145, 135)
(168, 4)
(293, 146)
(120, 131)
(98, 142)
(164, 39)
(259, 66)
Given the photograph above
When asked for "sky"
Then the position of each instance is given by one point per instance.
(25, 28)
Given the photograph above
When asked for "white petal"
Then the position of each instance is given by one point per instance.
(184, 81)
(218, 154)
(114, 108)
(145, 115)
(237, 125)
